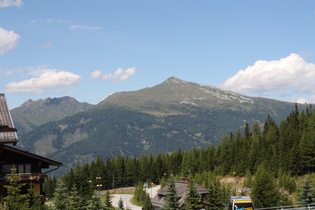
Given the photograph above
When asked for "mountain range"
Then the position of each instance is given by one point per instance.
(173, 115)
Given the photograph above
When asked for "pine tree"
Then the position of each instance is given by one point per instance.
(264, 192)
(287, 182)
(49, 186)
(108, 202)
(306, 154)
(248, 179)
(14, 197)
(120, 204)
(75, 200)
(33, 201)
(255, 150)
(306, 193)
(95, 204)
(187, 164)
(192, 199)
(213, 201)
(120, 170)
(61, 196)
(147, 203)
(171, 199)
(139, 194)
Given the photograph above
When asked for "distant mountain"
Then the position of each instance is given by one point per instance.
(174, 94)
(172, 115)
(32, 114)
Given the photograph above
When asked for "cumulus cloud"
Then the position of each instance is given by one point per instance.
(118, 76)
(285, 76)
(10, 3)
(8, 40)
(43, 79)
(96, 74)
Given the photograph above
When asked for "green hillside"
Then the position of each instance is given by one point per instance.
(164, 118)
(32, 114)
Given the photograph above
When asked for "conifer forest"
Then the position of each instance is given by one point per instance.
(276, 163)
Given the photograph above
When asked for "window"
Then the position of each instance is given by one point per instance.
(6, 169)
(20, 168)
(28, 168)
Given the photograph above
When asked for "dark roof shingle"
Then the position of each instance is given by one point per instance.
(8, 133)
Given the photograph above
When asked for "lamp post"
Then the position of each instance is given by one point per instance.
(98, 184)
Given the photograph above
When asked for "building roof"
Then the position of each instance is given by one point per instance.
(8, 134)
(181, 191)
(30, 155)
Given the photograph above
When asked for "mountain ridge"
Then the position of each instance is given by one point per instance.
(169, 116)
(175, 85)
(32, 114)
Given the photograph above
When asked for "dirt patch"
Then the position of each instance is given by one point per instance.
(232, 180)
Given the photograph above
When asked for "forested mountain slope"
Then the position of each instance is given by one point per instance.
(32, 114)
(269, 160)
(172, 115)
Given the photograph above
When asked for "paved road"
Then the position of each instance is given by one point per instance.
(126, 198)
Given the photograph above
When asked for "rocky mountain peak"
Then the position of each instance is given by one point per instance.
(174, 80)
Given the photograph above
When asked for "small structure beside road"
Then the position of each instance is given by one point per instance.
(181, 191)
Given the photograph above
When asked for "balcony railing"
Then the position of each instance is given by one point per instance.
(35, 176)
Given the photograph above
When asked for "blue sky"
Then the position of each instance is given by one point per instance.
(91, 49)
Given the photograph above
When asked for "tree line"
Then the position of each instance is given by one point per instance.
(268, 155)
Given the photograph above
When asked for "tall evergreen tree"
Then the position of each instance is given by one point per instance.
(187, 164)
(287, 182)
(264, 192)
(269, 143)
(14, 190)
(75, 200)
(255, 149)
(306, 192)
(120, 170)
(213, 201)
(61, 200)
(121, 204)
(147, 203)
(49, 186)
(33, 200)
(95, 204)
(107, 200)
(143, 167)
(139, 194)
(171, 199)
(306, 154)
(192, 199)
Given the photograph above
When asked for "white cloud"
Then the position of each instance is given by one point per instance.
(44, 79)
(96, 74)
(302, 100)
(118, 76)
(10, 3)
(288, 76)
(83, 27)
(8, 40)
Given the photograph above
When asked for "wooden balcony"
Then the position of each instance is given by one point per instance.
(26, 177)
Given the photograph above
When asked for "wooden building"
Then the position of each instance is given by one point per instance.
(181, 191)
(29, 167)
